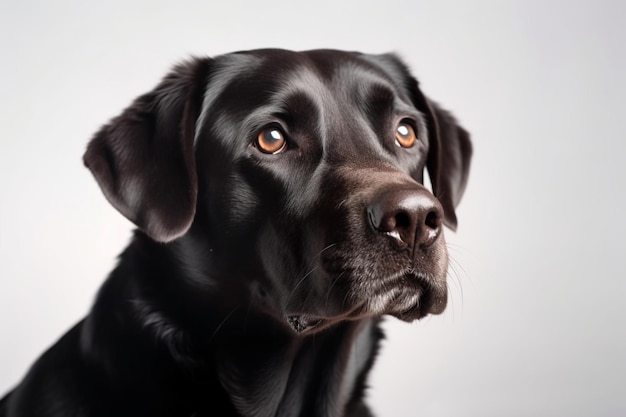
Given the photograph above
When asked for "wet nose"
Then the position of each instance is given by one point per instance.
(411, 216)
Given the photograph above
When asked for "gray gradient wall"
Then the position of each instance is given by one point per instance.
(536, 325)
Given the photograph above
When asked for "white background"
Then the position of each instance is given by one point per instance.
(537, 321)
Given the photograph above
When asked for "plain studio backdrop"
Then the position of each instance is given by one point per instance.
(536, 323)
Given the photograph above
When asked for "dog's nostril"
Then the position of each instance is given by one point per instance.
(430, 229)
(433, 220)
(403, 220)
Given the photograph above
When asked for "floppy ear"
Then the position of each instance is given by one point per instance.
(143, 160)
(449, 157)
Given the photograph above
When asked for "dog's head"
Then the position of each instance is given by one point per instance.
(297, 178)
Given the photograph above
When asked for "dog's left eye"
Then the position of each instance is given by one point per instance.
(271, 140)
(405, 135)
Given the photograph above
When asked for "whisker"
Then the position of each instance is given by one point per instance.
(301, 280)
(312, 270)
(454, 276)
(325, 249)
(217, 329)
(457, 275)
(330, 287)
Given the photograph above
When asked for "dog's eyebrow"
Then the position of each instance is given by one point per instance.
(298, 107)
(371, 89)
(304, 99)
(376, 100)
(227, 68)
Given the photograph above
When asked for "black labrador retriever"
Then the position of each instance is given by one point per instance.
(281, 213)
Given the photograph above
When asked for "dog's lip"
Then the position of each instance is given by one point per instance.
(306, 323)
(428, 304)
(301, 323)
(425, 301)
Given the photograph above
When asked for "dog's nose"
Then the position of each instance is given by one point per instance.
(412, 217)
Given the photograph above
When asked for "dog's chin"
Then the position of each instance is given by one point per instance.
(424, 307)
(407, 302)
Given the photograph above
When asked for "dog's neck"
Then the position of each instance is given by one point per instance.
(316, 375)
(265, 368)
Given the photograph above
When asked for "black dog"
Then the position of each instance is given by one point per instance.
(280, 212)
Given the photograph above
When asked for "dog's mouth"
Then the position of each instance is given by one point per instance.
(301, 323)
(409, 307)
(408, 298)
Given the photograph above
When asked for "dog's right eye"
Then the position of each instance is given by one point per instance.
(271, 140)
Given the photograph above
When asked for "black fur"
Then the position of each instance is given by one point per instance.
(255, 282)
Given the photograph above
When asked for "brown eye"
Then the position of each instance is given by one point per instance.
(405, 135)
(271, 140)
